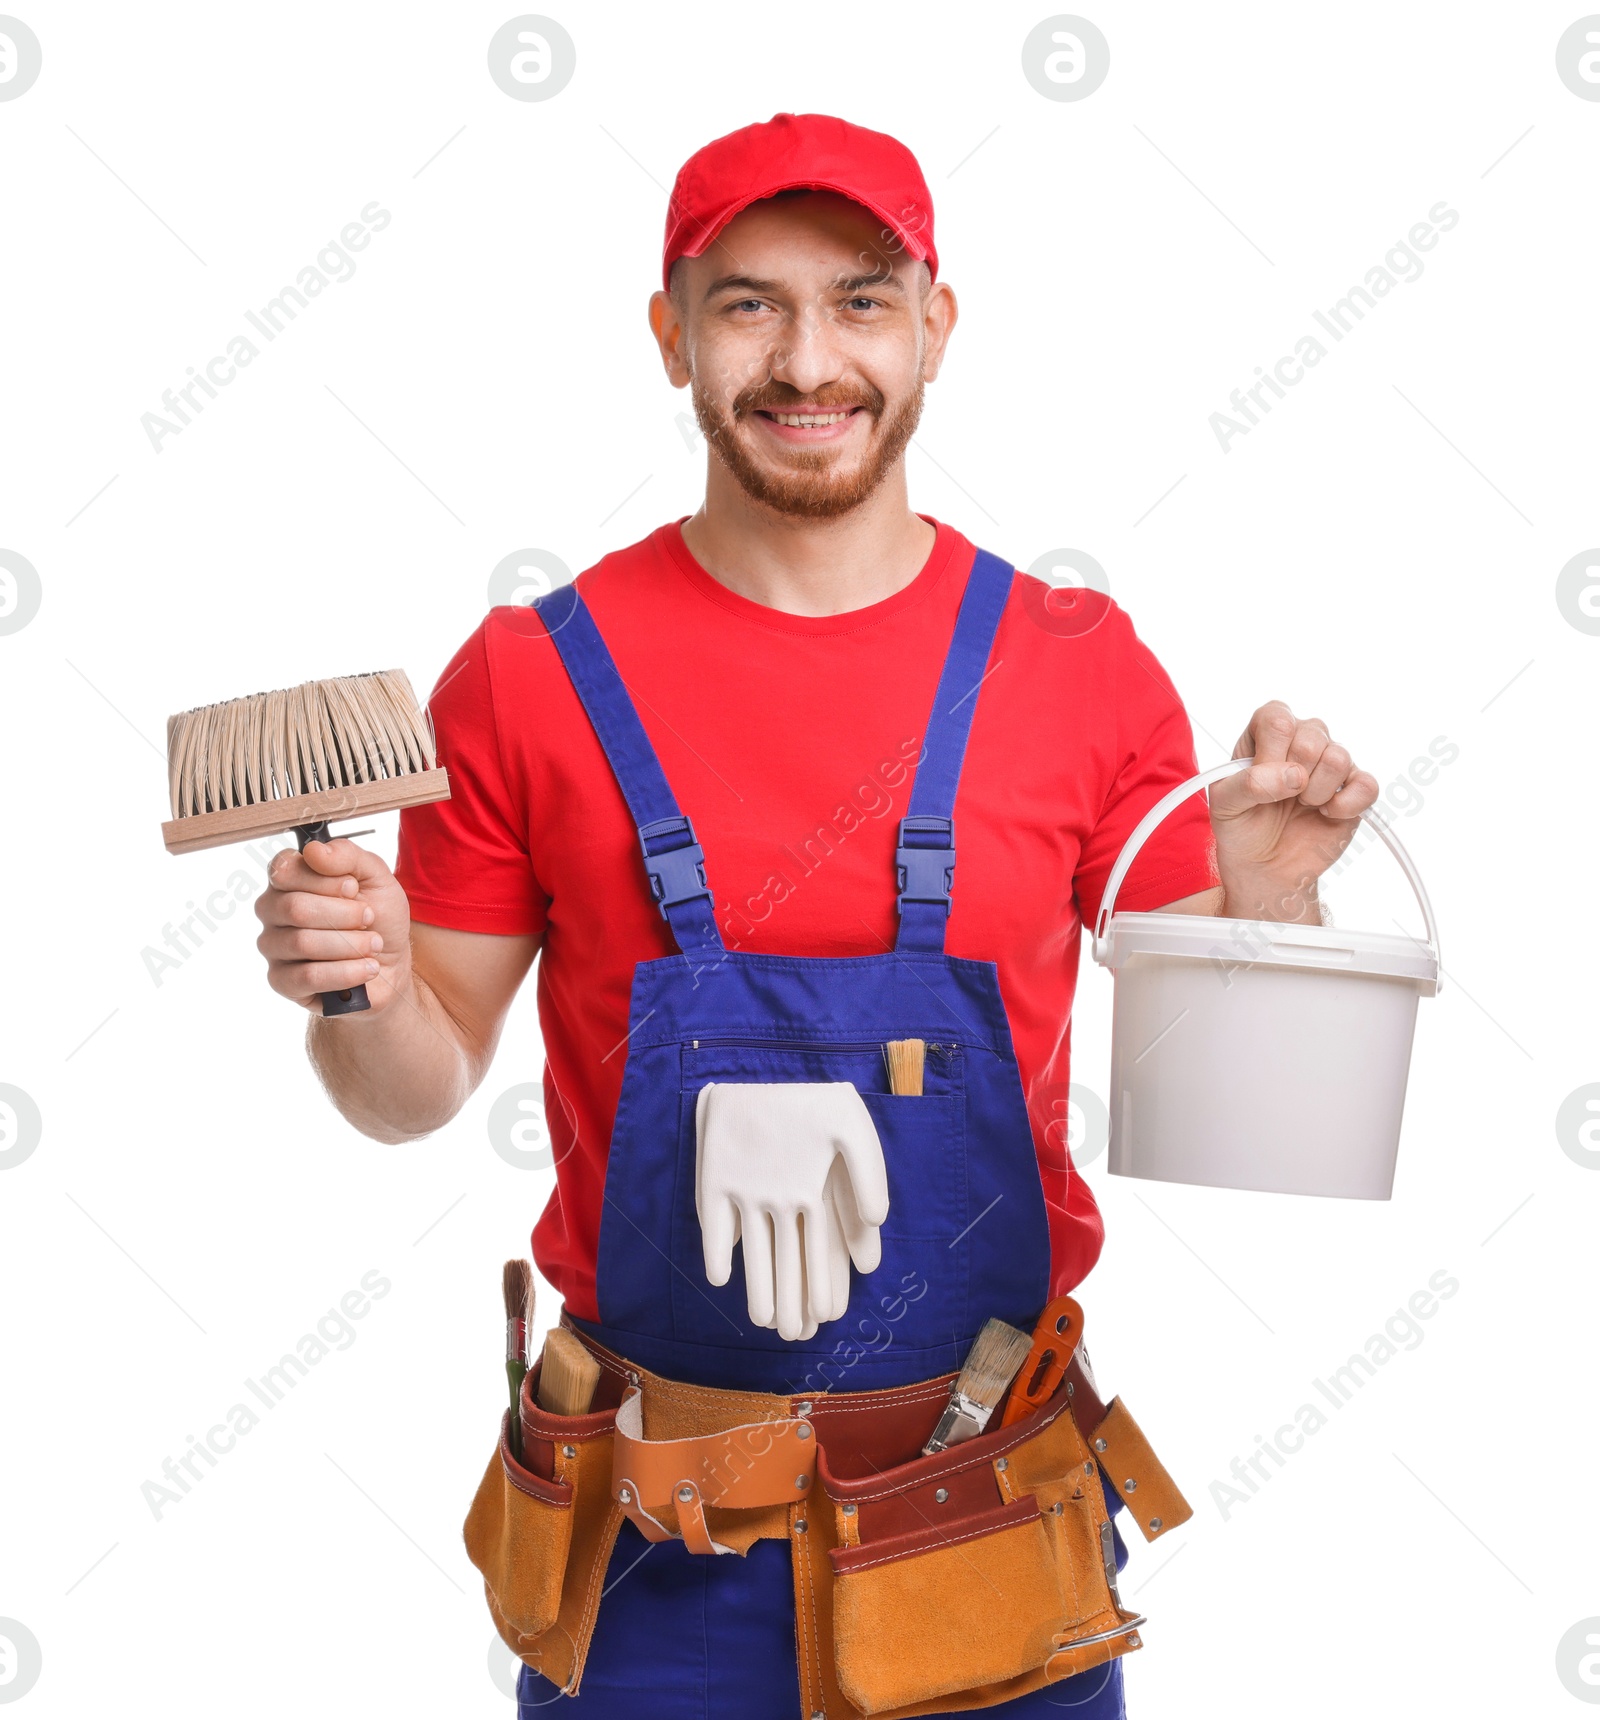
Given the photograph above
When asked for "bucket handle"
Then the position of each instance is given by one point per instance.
(1159, 811)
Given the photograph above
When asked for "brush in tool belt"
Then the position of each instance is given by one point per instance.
(991, 1365)
(294, 759)
(568, 1374)
(516, 1290)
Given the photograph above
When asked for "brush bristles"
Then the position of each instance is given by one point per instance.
(516, 1291)
(905, 1058)
(568, 1375)
(298, 740)
(992, 1362)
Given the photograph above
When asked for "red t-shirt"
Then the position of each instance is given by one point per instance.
(791, 740)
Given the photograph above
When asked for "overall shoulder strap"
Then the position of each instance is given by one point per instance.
(925, 855)
(673, 859)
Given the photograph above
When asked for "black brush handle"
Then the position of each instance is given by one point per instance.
(350, 1002)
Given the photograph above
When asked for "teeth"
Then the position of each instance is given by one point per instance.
(809, 418)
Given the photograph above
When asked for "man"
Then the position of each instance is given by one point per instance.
(776, 662)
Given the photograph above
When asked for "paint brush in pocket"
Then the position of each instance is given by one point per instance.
(905, 1058)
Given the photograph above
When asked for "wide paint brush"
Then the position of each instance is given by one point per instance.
(991, 1365)
(568, 1375)
(292, 760)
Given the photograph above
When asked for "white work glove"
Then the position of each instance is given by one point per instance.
(795, 1170)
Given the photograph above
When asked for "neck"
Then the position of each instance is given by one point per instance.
(808, 566)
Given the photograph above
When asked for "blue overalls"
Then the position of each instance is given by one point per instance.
(707, 1638)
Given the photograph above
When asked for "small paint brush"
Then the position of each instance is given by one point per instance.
(991, 1365)
(905, 1060)
(516, 1289)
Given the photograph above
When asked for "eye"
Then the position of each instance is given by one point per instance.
(862, 302)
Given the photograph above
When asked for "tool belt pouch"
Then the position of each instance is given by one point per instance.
(966, 1578)
(540, 1531)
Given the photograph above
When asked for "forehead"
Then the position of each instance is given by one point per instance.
(802, 238)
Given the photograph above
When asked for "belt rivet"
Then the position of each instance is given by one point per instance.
(804, 1430)
(1088, 1469)
(802, 1481)
(803, 1408)
(1099, 1445)
(686, 1494)
(1155, 1524)
(1129, 1485)
(625, 1497)
(800, 1525)
(1002, 1463)
(941, 1494)
(1059, 1507)
(633, 1378)
(569, 1451)
(849, 1510)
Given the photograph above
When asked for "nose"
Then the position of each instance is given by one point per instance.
(807, 356)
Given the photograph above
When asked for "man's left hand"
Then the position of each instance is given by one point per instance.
(1283, 822)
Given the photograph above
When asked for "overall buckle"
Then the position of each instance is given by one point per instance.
(677, 873)
(925, 869)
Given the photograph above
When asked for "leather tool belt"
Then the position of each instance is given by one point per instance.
(922, 1584)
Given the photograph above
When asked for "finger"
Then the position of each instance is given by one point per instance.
(719, 1230)
(833, 1299)
(1359, 792)
(302, 980)
(296, 944)
(788, 1277)
(1267, 735)
(861, 1239)
(858, 1143)
(1327, 769)
(816, 1221)
(316, 908)
(756, 1228)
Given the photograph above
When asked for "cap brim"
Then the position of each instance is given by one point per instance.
(915, 247)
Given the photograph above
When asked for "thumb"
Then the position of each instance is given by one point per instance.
(341, 858)
(719, 1230)
(1260, 784)
(856, 1138)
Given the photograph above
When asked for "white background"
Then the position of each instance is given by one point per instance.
(1381, 552)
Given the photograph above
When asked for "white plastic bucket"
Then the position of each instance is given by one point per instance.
(1253, 1054)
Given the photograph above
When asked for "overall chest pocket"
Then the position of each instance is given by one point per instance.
(922, 1275)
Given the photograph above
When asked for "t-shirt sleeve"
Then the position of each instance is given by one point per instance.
(1153, 752)
(464, 862)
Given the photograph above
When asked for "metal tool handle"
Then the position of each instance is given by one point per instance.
(1162, 807)
(350, 1002)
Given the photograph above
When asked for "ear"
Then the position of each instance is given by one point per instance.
(667, 327)
(938, 319)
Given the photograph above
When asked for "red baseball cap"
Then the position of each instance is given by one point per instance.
(810, 151)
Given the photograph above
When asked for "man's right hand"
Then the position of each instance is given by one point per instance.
(334, 918)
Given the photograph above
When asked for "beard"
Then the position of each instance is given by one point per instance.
(812, 483)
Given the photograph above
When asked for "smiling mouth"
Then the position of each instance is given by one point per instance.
(808, 420)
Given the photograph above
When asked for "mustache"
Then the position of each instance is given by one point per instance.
(781, 397)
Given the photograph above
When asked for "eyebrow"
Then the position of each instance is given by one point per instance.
(846, 284)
